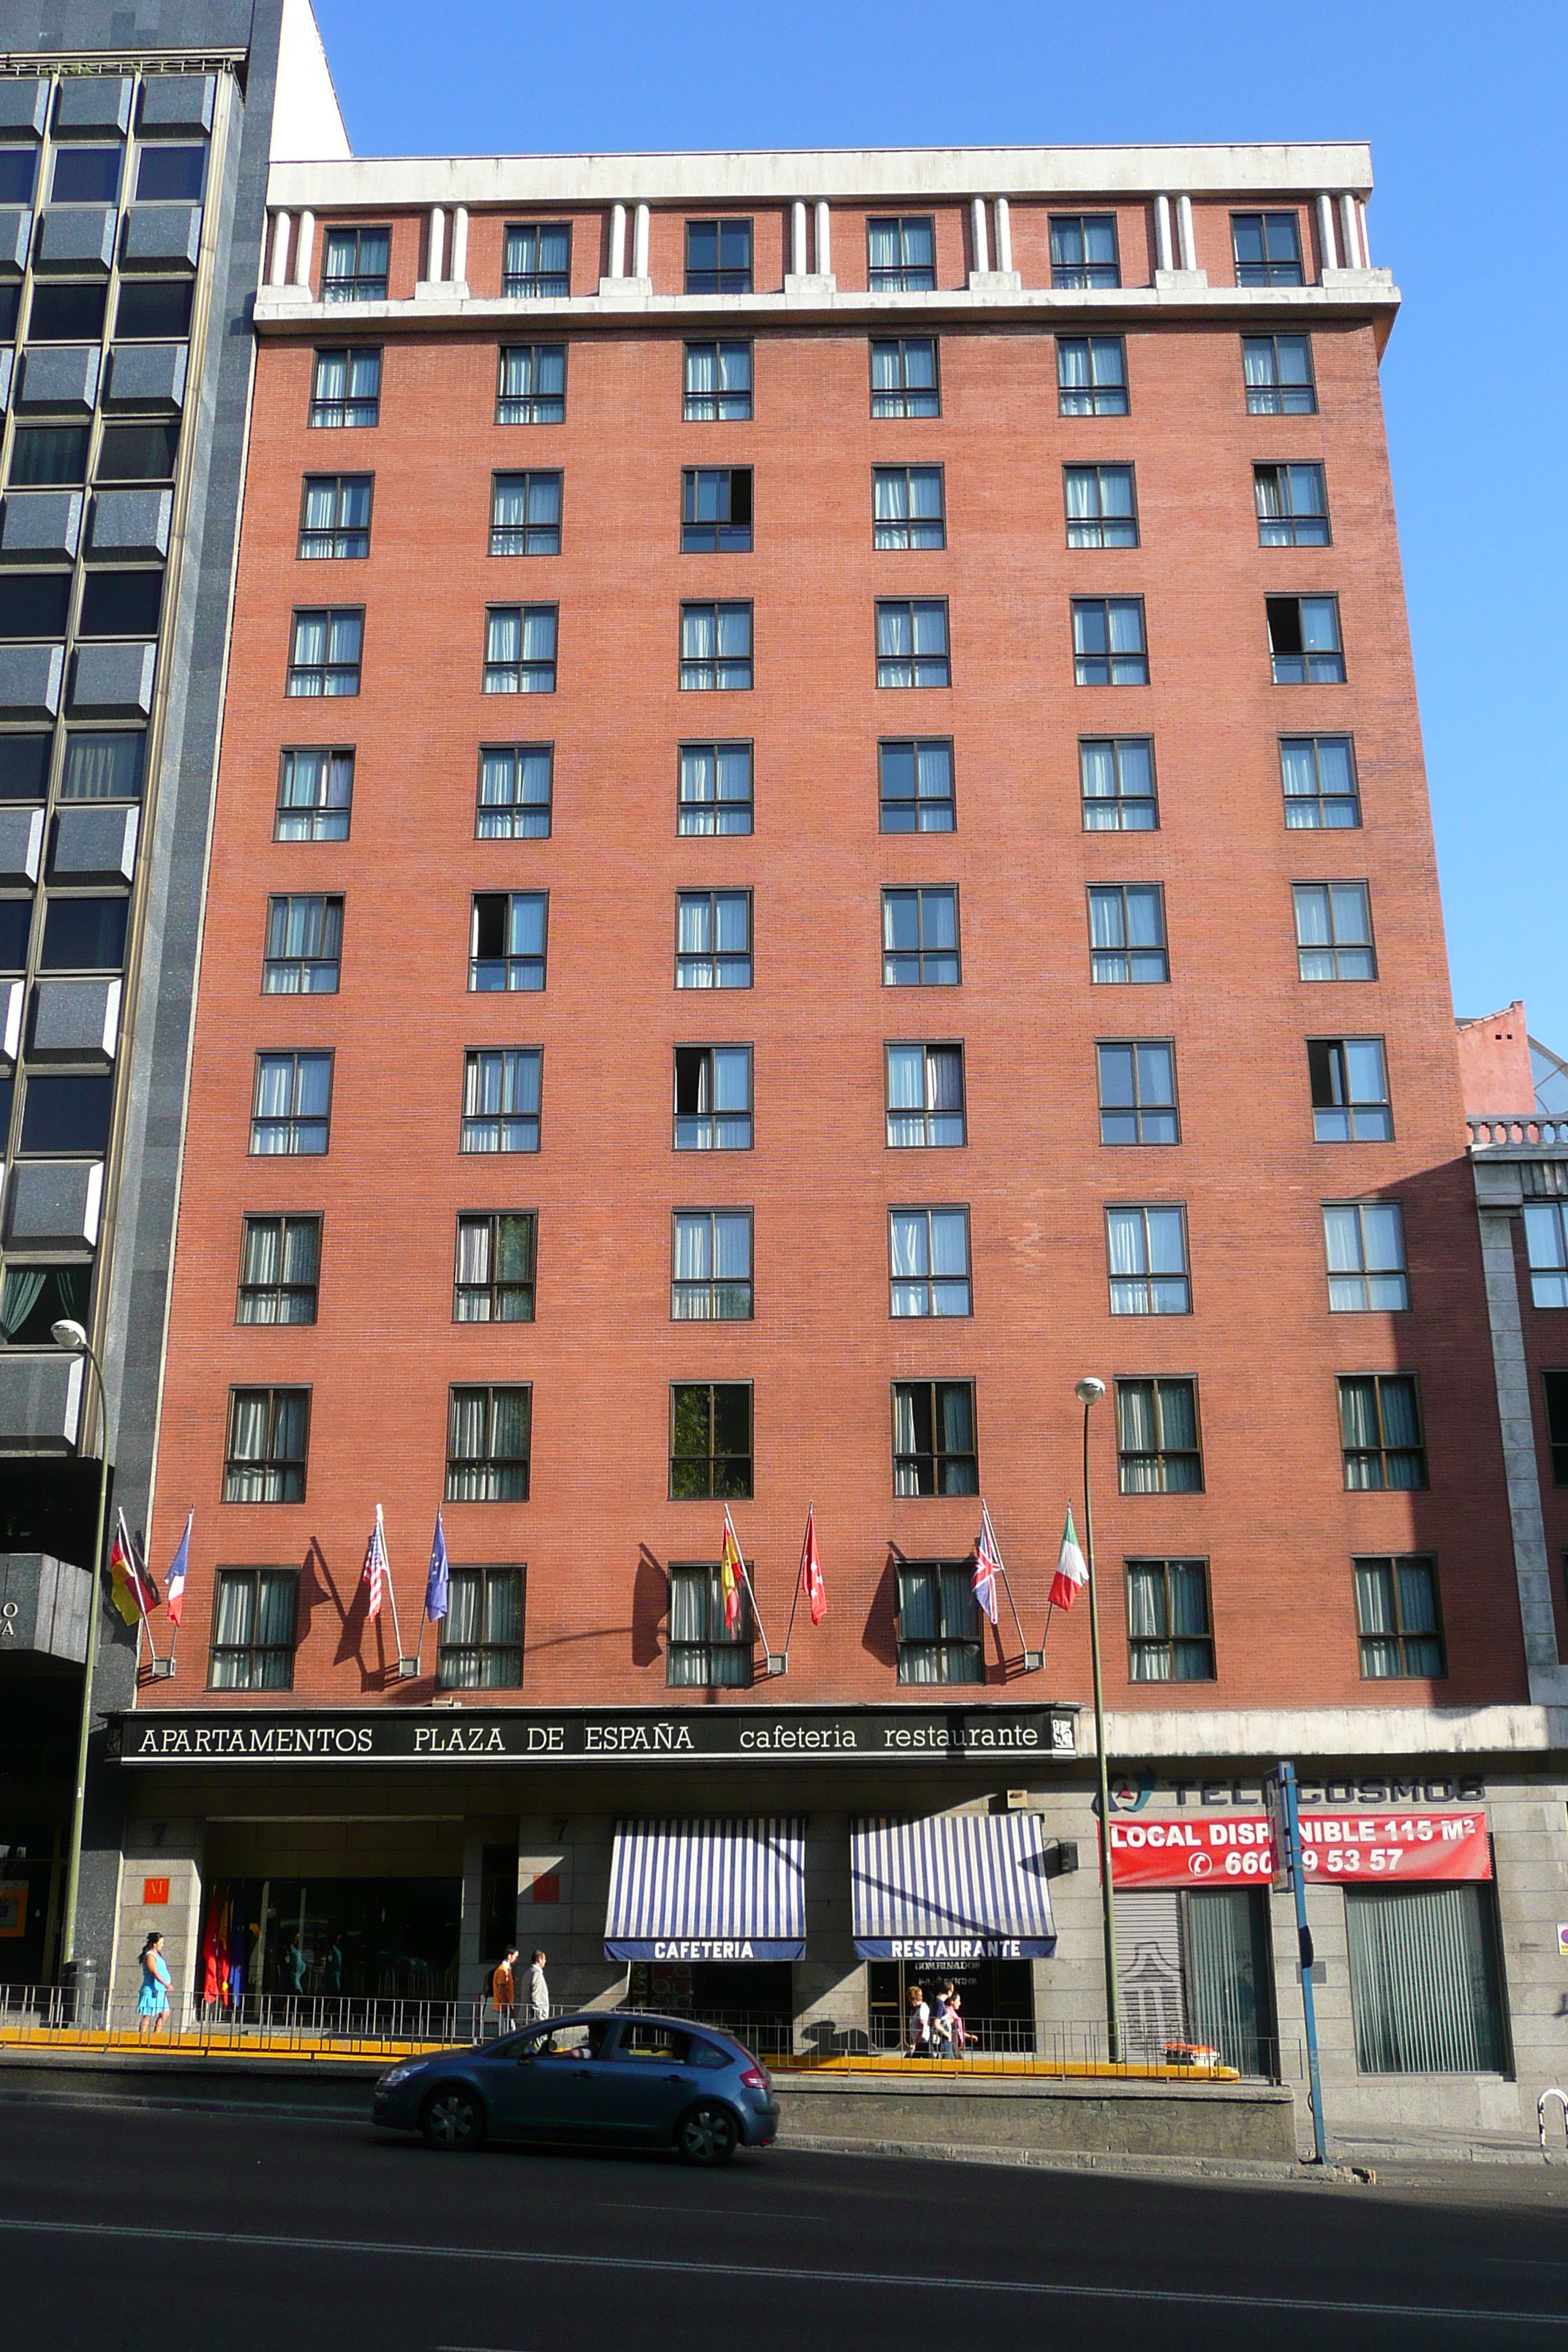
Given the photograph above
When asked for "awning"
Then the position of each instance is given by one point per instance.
(706, 1891)
(960, 1886)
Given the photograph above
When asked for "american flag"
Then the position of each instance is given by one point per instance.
(987, 1565)
(376, 1566)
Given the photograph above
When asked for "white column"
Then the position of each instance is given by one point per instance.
(823, 247)
(1326, 229)
(304, 249)
(460, 245)
(1350, 226)
(1359, 216)
(977, 215)
(617, 240)
(797, 239)
(639, 242)
(436, 255)
(281, 227)
(1163, 234)
(1003, 236)
(1184, 231)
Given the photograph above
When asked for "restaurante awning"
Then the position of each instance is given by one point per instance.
(955, 1887)
(707, 1890)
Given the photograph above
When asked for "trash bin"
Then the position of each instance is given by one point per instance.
(79, 1992)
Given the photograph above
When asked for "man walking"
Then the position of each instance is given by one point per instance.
(538, 1990)
(503, 1989)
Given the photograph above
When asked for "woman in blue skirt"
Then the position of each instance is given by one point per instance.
(152, 2000)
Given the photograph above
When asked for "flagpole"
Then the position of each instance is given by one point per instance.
(795, 1604)
(391, 1592)
(1088, 1392)
(996, 1552)
(751, 1592)
(140, 1591)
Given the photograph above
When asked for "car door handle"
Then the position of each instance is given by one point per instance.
(675, 2078)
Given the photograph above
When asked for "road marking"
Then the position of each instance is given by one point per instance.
(923, 2282)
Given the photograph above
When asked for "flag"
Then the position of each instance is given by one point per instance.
(376, 1566)
(731, 1573)
(811, 1582)
(988, 1566)
(130, 1588)
(175, 1587)
(435, 1583)
(1071, 1572)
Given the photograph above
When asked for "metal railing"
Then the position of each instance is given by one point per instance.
(1500, 1129)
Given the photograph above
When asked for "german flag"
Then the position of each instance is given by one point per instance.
(131, 1585)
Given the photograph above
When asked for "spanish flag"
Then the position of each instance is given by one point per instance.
(130, 1588)
(731, 1573)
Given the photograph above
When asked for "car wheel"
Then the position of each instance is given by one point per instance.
(706, 2136)
(452, 2119)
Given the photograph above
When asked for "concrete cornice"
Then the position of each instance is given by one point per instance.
(1330, 1732)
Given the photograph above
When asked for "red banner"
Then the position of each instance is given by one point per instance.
(1236, 1849)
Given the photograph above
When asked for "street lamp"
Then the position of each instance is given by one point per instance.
(71, 1337)
(1088, 1392)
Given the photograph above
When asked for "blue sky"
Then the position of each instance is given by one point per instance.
(1464, 111)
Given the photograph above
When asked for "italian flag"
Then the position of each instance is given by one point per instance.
(1072, 1573)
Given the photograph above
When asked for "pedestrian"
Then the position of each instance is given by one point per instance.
(941, 2027)
(503, 1989)
(538, 1990)
(955, 2000)
(295, 1964)
(152, 2000)
(920, 2025)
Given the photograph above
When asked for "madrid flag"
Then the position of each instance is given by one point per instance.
(811, 1582)
(1072, 1573)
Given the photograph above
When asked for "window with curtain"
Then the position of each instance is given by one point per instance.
(531, 388)
(1147, 1249)
(939, 1628)
(1127, 932)
(1092, 375)
(345, 389)
(1292, 507)
(1426, 1988)
(525, 514)
(1396, 1618)
(1278, 372)
(1319, 776)
(1107, 643)
(501, 1099)
(703, 1652)
(934, 1450)
(1157, 1437)
(269, 1433)
(1083, 250)
(1546, 1246)
(928, 1262)
(1138, 1091)
(280, 1265)
(291, 1108)
(105, 767)
(904, 378)
(718, 257)
(315, 795)
(34, 1299)
(355, 263)
(538, 260)
(324, 656)
(1349, 1081)
(1169, 1636)
(712, 1098)
(487, 1436)
(925, 1096)
(716, 510)
(1267, 248)
(1554, 1394)
(1333, 931)
(520, 649)
(493, 1281)
(304, 947)
(715, 648)
(911, 643)
(915, 786)
(1101, 506)
(1304, 644)
(1380, 1429)
(255, 1611)
(718, 383)
(49, 455)
(515, 792)
(709, 1440)
(710, 1269)
(908, 507)
(920, 939)
(1116, 779)
(715, 788)
(1363, 1241)
(507, 939)
(900, 255)
(334, 516)
(714, 938)
(481, 1633)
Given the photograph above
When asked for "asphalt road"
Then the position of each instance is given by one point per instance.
(126, 2228)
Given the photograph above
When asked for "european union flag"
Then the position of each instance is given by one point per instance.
(436, 1583)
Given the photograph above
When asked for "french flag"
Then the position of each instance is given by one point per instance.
(174, 1584)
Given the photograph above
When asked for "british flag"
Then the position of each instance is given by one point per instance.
(988, 1565)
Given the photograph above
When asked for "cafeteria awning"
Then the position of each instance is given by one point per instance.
(719, 1890)
(958, 1887)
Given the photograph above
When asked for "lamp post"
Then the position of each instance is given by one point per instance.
(1088, 1392)
(71, 1337)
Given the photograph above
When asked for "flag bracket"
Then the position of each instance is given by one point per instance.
(407, 1668)
(162, 1668)
(777, 1662)
(1034, 1662)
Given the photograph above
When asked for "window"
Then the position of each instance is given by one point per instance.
(925, 1096)
(1278, 371)
(1546, 1246)
(501, 1099)
(1304, 640)
(703, 1652)
(86, 175)
(712, 1098)
(269, 1433)
(1127, 932)
(525, 514)
(1348, 1080)
(47, 455)
(1092, 375)
(120, 604)
(716, 510)
(1147, 1252)
(1333, 931)
(1425, 1983)
(18, 170)
(1363, 1241)
(325, 657)
(1554, 1387)
(714, 938)
(933, 1438)
(532, 385)
(488, 1432)
(153, 310)
(493, 1281)
(715, 647)
(1319, 780)
(304, 947)
(911, 643)
(354, 264)
(1108, 641)
(1116, 779)
(279, 1263)
(481, 1633)
(1292, 507)
(515, 783)
(1170, 1638)
(1157, 1437)
(520, 649)
(135, 453)
(718, 257)
(539, 261)
(64, 1116)
(1396, 1619)
(292, 1107)
(15, 930)
(36, 603)
(1083, 250)
(1380, 1429)
(1101, 508)
(167, 174)
(710, 1266)
(1138, 1091)
(1267, 248)
(715, 791)
(507, 939)
(34, 1297)
(904, 379)
(718, 383)
(907, 507)
(928, 1262)
(901, 256)
(315, 795)
(25, 768)
(253, 1616)
(67, 314)
(939, 1627)
(335, 515)
(345, 389)
(710, 1441)
(84, 935)
(920, 939)
(915, 786)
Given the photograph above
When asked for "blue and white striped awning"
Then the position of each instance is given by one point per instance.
(708, 1891)
(960, 1886)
